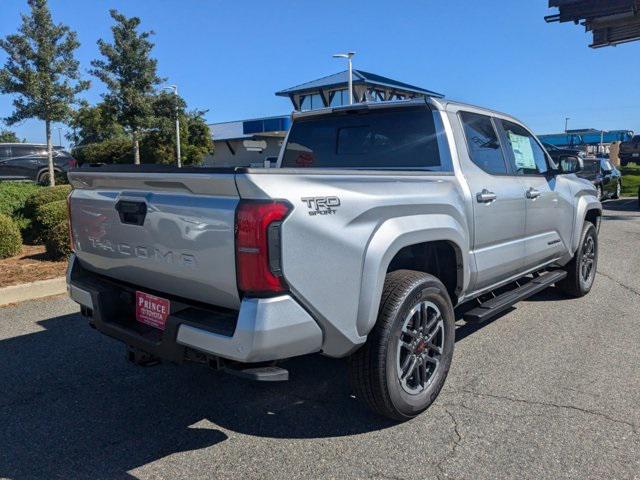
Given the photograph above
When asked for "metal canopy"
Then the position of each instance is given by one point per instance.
(611, 22)
(366, 87)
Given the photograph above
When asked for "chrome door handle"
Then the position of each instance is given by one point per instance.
(532, 193)
(485, 196)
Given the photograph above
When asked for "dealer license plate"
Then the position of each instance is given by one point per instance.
(152, 310)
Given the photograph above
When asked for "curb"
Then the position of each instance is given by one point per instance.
(32, 290)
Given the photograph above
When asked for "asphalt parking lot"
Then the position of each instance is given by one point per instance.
(551, 389)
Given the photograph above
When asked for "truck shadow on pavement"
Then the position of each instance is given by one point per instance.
(73, 407)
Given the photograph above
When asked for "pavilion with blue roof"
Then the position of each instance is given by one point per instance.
(332, 90)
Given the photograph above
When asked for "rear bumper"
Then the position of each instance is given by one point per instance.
(264, 329)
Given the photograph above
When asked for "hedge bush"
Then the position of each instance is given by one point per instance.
(10, 238)
(46, 217)
(49, 215)
(13, 196)
(43, 196)
(57, 241)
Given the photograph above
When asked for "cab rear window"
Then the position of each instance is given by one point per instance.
(394, 139)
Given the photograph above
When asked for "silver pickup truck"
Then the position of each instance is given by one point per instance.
(377, 221)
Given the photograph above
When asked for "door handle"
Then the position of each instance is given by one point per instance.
(532, 193)
(485, 196)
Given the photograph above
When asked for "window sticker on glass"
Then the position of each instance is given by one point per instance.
(522, 152)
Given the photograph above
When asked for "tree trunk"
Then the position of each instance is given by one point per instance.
(136, 148)
(52, 177)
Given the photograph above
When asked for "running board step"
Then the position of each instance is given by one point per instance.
(500, 303)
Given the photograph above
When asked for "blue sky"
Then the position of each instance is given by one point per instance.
(229, 57)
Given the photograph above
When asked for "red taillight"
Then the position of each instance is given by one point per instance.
(69, 222)
(258, 269)
(72, 163)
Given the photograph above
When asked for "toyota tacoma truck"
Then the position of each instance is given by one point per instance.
(377, 220)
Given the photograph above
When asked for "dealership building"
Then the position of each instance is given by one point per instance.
(252, 141)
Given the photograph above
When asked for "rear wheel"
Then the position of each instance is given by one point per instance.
(61, 177)
(403, 365)
(581, 270)
(43, 178)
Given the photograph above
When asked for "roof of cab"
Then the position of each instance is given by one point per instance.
(438, 103)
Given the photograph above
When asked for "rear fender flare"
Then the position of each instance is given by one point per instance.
(388, 240)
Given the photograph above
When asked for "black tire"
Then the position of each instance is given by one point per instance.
(575, 284)
(373, 369)
(616, 194)
(43, 178)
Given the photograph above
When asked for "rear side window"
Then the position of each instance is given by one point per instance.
(392, 139)
(483, 144)
(27, 151)
(527, 155)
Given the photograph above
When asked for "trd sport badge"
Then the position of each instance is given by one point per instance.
(321, 205)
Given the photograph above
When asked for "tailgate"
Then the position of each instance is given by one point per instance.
(170, 232)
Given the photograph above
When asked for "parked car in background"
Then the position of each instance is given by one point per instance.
(630, 151)
(29, 161)
(557, 153)
(606, 178)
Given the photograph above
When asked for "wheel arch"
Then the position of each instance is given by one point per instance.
(588, 210)
(394, 241)
(44, 170)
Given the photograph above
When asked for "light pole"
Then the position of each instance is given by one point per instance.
(566, 123)
(175, 93)
(59, 135)
(348, 56)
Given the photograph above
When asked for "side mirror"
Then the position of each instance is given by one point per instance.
(571, 164)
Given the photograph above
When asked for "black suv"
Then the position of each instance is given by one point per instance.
(28, 161)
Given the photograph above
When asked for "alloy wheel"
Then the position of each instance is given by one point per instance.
(588, 259)
(420, 348)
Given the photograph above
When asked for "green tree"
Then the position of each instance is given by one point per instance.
(98, 138)
(159, 142)
(7, 136)
(41, 71)
(93, 124)
(130, 75)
